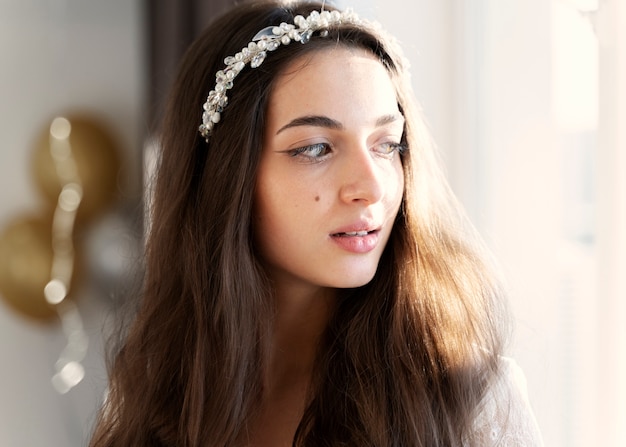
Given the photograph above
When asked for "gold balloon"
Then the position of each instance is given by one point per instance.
(25, 265)
(94, 157)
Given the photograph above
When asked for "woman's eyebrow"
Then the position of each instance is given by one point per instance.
(388, 119)
(329, 123)
(312, 120)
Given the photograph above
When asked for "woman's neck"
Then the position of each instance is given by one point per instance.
(299, 324)
(301, 319)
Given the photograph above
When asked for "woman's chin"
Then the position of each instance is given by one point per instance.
(354, 280)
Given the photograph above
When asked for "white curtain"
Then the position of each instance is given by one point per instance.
(541, 94)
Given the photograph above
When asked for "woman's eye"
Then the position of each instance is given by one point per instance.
(389, 149)
(312, 152)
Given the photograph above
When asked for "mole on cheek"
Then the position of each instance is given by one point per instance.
(317, 198)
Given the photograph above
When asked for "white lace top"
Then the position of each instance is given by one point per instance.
(506, 419)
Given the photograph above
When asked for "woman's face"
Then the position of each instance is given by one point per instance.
(330, 180)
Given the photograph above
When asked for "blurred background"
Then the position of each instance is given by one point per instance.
(526, 99)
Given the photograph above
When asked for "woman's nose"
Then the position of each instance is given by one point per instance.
(362, 178)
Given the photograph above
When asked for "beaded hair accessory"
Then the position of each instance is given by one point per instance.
(268, 39)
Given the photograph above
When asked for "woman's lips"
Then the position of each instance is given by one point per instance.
(356, 241)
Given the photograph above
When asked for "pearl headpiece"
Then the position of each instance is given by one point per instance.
(268, 39)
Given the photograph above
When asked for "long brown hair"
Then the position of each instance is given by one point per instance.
(406, 359)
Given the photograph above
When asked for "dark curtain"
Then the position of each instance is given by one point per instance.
(172, 25)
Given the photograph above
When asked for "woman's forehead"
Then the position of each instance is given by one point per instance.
(347, 85)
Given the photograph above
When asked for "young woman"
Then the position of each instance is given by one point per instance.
(309, 279)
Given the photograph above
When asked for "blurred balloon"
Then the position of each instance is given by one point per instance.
(77, 146)
(25, 264)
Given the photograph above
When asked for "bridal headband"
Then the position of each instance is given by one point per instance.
(268, 39)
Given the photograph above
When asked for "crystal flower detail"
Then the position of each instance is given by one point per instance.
(266, 40)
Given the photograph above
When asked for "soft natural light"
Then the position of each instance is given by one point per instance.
(575, 70)
(575, 99)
